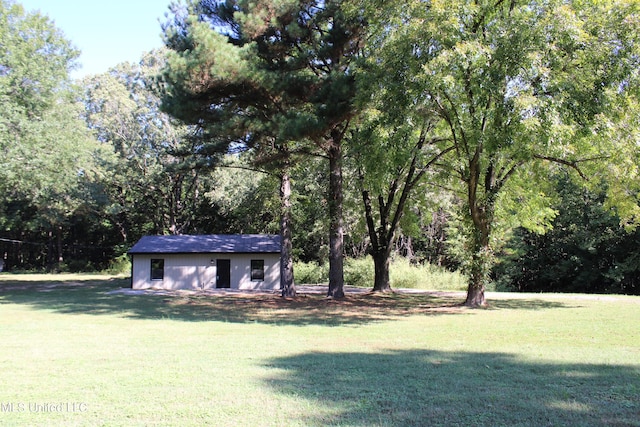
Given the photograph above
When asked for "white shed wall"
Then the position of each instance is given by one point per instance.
(199, 271)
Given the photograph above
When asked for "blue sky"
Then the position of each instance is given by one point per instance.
(107, 32)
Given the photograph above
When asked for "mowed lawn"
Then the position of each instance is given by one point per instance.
(74, 353)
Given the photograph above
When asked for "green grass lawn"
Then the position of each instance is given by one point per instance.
(74, 354)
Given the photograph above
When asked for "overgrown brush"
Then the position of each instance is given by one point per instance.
(403, 274)
(310, 273)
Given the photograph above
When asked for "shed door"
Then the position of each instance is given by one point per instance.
(223, 277)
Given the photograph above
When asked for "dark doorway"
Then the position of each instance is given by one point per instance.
(223, 275)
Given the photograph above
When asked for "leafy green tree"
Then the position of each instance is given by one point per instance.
(48, 156)
(243, 199)
(395, 144)
(392, 163)
(309, 211)
(620, 127)
(518, 84)
(586, 251)
(155, 184)
(272, 77)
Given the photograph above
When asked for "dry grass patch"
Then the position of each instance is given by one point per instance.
(307, 308)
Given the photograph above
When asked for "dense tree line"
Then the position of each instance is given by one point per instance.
(474, 135)
(585, 251)
(48, 167)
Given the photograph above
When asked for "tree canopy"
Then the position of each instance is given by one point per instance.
(271, 77)
(516, 83)
(449, 121)
(48, 155)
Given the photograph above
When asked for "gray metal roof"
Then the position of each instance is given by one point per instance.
(213, 243)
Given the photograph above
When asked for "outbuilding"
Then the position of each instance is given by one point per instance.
(237, 261)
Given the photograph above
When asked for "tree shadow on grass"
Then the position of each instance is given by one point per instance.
(429, 388)
(100, 297)
(525, 304)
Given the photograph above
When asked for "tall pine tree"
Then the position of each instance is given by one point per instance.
(274, 78)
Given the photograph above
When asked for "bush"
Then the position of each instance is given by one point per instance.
(403, 274)
(119, 266)
(310, 273)
(76, 266)
(359, 272)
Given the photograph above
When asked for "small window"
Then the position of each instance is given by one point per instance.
(157, 269)
(257, 270)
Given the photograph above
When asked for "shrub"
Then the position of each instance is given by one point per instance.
(119, 266)
(75, 266)
(310, 273)
(403, 274)
(359, 272)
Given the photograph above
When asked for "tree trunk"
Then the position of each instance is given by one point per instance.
(475, 295)
(59, 238)
(481, 216)
(287, 283)
(379, 245)
(478, 275)
(336, 261)
(49, 252)
(480, 262)
(381, 281)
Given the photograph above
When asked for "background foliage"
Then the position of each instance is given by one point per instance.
(586, 250)
(90, 166)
